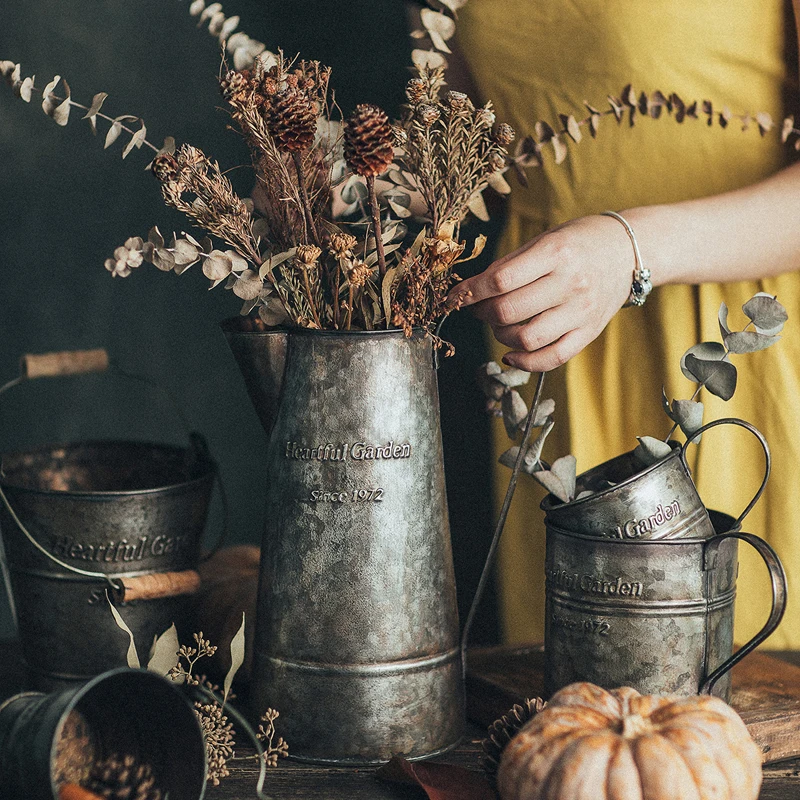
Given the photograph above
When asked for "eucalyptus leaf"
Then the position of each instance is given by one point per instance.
(49, 103)
(689, 415)
(248, 286)
(61, 111)
(545, 410)
(535, 448)
(163, 259)
(164, 654)
(238, 262)
(237, 659)
(136, 140)
(509, 459)
(113, 134)
(553, 484)
(228, 28)
(185, 252)
(197, 7)
(97, 104)
(722, 316)
(766, 313)
(275, 261)
(399, 210)
(272, 313)
(386, 291)
(217, 266)
(514, 411)
(154, 237)
(705, 351)
(428, 59)
(719, 377)
(565, 469)
(132, 656)
(651, 450)
(26, 89)
(512, 377)
(748, 341)
(499, 183)
(487, 379)
(477, 206)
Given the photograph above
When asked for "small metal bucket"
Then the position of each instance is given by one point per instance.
(659, 502)
(86, 522)
(655, 615)
(49, 740)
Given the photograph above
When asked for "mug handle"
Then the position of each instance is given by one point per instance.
(762, 441)
(778, 579)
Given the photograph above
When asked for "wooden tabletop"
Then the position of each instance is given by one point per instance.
(295, 781)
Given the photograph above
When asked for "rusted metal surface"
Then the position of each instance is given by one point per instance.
(116, 508)
(128, 712)
(655, 615)
(357, 627)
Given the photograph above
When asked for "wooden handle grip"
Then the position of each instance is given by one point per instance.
(161, 584)
(65, 362)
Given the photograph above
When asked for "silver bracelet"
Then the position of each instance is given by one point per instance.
(641, 285)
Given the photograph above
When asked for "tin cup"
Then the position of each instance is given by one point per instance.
(655, 615)
(659, 502)
(49, 740)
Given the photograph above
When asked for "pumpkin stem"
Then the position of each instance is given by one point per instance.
(634, 725)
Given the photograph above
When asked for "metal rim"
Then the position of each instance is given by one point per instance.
(729, 522)
(229, 326)
(550, 506)
(210, 469)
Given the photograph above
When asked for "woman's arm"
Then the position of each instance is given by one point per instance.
(556, 294)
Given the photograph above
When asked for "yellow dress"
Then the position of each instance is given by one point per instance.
(537, 59)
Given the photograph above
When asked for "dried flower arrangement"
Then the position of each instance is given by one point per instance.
(324, 241)
(708, 364)
(168, 657)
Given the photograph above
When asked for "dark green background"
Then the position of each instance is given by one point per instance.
(65, 204)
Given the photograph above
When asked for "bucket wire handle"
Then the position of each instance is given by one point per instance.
(83, 362)
(762, 441)
(501, 521)
(779, 591)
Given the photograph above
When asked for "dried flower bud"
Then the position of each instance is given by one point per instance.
(165, 167)
(236, 86)
(359, 274)
(457, 101)
(368, 141)
(485, 117)
(428, 115)
(292, 121)
(292, 81)
(269, 86)
(342, 244)
(504, 134)
(496, 162)
(308, 254)
(416, 90)
(399, 136)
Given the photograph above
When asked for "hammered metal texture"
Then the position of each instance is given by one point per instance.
(120, 508)
(654, 615)
(660, 502)
(357, 627)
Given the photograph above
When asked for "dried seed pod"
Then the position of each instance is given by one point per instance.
(342, 244)
(428, 115)
(457, 101)
(504, 134)
(236, 86)
(416, 89)
(359, 274)
(503, 730)
(292, 121)
(165, 167)
(308, 254)
(368, 141)
(123, 778)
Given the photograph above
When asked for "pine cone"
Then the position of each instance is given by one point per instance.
(165, 167)
(368, 141)
(123, 778)
(292, 121)
(503, 730)
(236, 86)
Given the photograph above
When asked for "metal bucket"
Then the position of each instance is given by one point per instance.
(86, 521)
(655, 615)
(659, 502)
(357, 627)
(123, 712)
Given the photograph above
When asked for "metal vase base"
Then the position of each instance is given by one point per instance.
(367, 713)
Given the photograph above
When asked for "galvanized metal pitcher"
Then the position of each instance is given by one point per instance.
(357, 629)
(655, 615)
(659, 502)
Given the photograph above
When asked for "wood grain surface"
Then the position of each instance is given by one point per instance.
(294, 781)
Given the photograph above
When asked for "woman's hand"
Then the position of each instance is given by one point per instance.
(553, 296)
